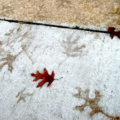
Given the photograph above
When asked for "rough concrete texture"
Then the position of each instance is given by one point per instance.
(84, 13)
(89, 64)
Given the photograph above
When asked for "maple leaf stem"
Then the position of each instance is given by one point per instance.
(59, 78)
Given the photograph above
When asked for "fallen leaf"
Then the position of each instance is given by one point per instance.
(113, 33)
(44, 76)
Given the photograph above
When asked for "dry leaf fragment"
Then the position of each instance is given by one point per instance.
(113, 33)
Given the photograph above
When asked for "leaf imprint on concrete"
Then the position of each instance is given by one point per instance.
(21, 95)
(71, 48)
(8, 60)
(92, 103)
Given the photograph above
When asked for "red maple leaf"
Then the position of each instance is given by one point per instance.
(112, 32)
(44, 76)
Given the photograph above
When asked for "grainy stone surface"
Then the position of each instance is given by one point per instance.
(84, 13)
(89, 64)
